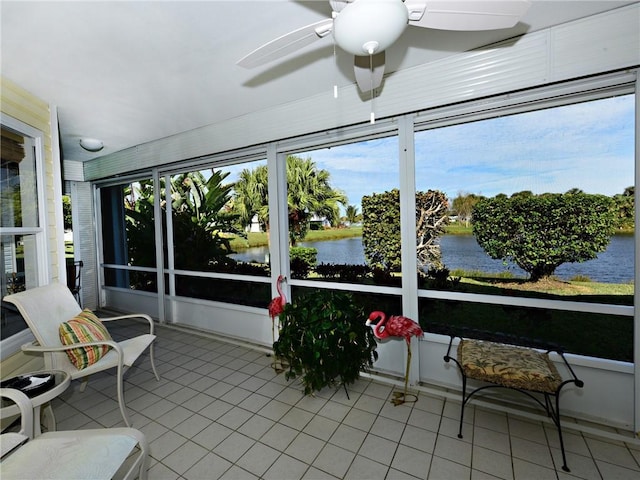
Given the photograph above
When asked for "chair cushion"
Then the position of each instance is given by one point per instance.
(83, 328)
(509, 366)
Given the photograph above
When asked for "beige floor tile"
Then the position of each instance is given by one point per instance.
(258, 459)
(444, 469)
(237, 473)
(321, 427)
(363, 467)
(492, 420)
(524, 470)
(234, 446)
(359, 419)
(221, 412)
(492, 462)
(378, 449)
(492, 440)
(212, 435)
(211, 466)
(334, 460)
(286, 467)
(419, 438)
(348, 438)
(279, 436)
(613, 453)
(453, 449)
(387, 428)
(412, 461)
(616, 472)
(305, 448)
(184, 457)
(166, 444)
(256, 427)
(235, 418)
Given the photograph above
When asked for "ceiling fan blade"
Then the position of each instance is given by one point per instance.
(468, 15)
(369, 71)
(287, 44)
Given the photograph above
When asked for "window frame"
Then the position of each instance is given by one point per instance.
(405, 126)
(11, 345)
(546, 97)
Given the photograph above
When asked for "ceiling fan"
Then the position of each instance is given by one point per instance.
(366, 28)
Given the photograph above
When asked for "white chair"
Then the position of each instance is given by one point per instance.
(45, 308)
(68, 455)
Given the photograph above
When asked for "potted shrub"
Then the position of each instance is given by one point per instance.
(324, 340)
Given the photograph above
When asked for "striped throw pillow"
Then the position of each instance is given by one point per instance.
(83, 328)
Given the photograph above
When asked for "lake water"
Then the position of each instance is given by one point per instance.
(614, 265)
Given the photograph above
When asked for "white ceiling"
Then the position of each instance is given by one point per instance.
(128, 72)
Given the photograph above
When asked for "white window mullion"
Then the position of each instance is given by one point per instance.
(406, 155)
(157, 222)
(636, 293)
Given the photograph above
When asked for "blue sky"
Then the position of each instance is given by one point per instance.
(587, 146)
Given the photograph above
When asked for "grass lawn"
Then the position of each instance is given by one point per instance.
(261, 239)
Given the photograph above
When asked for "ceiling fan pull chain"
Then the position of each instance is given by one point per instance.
(335, 71)
(372, 118)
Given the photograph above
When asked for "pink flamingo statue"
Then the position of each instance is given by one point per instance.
(399, 327)
(276, 306)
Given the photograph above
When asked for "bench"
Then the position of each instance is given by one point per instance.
(523, 369)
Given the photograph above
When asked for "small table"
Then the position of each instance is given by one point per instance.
(62, 380)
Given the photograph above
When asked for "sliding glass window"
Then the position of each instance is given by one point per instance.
(219, 226)
(128, 235)
(344, 219)
(541, 217)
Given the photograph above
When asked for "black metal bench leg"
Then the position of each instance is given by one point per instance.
(464, 401)
(556, 420)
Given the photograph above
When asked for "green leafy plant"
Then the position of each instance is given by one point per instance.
(324, 340)
(381, 228)
(541, 232)
(302, 261)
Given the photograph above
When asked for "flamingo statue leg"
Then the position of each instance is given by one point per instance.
(277, 361)
(404, 397)
(396, 326)
(276, 307)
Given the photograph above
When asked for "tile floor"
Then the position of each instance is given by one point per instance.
(221, 412)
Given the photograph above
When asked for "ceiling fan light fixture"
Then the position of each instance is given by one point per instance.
(91, 144)
(365, 27)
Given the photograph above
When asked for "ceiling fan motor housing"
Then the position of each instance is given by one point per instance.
(365, 27)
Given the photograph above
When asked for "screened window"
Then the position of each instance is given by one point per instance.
(540, 205)
(344, 213)
(220, 228)
(128, 235)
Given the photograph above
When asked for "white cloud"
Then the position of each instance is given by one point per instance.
(587, 146)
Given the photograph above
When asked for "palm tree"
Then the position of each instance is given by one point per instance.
(251, 197)
(352, 214)
(309, 193)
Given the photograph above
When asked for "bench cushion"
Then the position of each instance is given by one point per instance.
(508, 365)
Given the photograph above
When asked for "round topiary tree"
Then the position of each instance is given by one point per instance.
(541, 232)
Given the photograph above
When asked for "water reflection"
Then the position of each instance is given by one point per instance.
(615, 265)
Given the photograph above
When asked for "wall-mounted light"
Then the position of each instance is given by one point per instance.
(91, 144)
